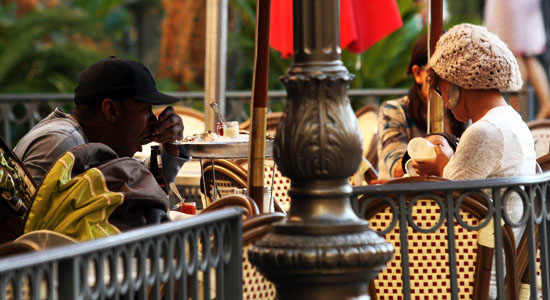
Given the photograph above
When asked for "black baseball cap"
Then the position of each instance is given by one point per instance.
(117, 78)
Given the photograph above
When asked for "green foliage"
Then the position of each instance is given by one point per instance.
(37, 53)
(44, 51)
(384, 64)
(464, 11)
(240, 49)
(112, 14)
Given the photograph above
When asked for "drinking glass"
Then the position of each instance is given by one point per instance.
(231, 129)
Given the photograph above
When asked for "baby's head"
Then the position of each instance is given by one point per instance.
(446, 141)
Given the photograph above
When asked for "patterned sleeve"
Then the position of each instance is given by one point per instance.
(392, 131)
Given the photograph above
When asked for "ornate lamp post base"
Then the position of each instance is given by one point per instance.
(326, 255)
(322, 250)
(321, 267)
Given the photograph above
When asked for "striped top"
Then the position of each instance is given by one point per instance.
(395, 129)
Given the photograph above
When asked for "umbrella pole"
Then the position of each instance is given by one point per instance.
(256, 154)
(437, 110)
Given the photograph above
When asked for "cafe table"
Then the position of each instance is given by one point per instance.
(230, 149)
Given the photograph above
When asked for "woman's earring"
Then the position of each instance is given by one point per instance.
(454, 95)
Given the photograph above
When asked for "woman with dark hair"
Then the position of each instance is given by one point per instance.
(405, 118)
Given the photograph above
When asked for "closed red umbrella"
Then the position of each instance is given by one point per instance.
(362, 23)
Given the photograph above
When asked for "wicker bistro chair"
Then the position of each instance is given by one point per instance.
(272, 122)
(279, 185)
(230, 178)
(248, 204)
(523, 266)
(255, 286)
(221, 178)
(544, 162)
(428, 260)
(540, 129)
(522, 249)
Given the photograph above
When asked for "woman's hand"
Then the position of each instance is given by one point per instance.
(432, 167)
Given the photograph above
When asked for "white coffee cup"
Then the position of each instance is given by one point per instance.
(231, 129)
(420, 149)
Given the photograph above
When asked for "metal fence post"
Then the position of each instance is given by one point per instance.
(233, 272)
(68, 278)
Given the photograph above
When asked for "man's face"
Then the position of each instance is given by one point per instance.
(135, 123)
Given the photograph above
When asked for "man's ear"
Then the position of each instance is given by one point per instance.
(417, 74)
(109, 110)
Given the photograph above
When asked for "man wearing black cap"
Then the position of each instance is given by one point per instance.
(114, 99)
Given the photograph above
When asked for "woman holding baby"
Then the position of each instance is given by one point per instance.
(469, 69)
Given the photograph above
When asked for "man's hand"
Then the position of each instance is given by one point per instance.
(169, 128)
(432, 167)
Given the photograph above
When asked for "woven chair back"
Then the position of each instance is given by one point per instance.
(279, 184)
(428, 252)
(272, 122)
(250, 207)
(223, 177)
(540, 129)
(255, 285)
(523, 265)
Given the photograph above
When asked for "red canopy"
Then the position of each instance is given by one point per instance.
(362, 23)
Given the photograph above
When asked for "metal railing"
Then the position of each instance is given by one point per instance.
(22, 111)
(449, 196)
(187, 258)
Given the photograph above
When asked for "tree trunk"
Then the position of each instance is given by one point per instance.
(183, 42)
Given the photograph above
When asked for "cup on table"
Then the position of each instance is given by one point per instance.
(231, 129)
(420, 149)
(189, 208)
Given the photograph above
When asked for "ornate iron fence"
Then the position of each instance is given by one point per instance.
(21, 111)
(188, 258)
(403, 200)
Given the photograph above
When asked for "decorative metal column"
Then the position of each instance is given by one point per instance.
(215, 59)
(322, 250)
